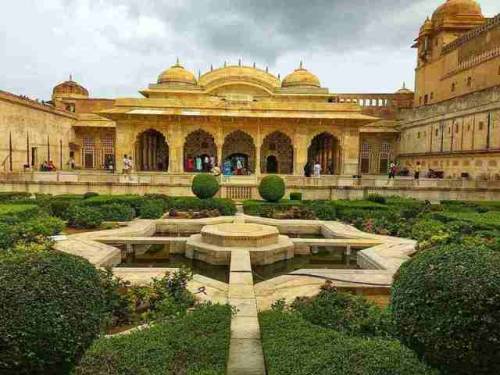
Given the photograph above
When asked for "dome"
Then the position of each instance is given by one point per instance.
(177, 75)
(70, 88)
(426, 27)
(301, 78)
(453, 9)
(404, 90)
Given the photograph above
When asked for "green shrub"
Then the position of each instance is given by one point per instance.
(321, 351)
(60, 205)
(446, 306)
(430, 233)
(131, 200)
(84, 217)
(488, 220)
(196, 343)
(89, 194)
(226, 207)
(272, 188)
(205, 186)
(295, 196)
(51, 309)
(152, 209)
(376, 198)
(323, 210)
(9, 197)
(117, 212)
(345, 313)
(16, 213)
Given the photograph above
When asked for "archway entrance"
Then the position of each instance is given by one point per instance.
(324, 149)
(277, 154)
(151, 151)
(200, 152)
(238, 153)
(272, 164)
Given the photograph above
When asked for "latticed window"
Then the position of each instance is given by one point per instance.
(384, 157)
(108, 150)
(88, 151)
(365, 155)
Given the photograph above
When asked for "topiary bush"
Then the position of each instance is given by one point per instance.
(51, 309)
(446, 306)
(117, 212)
(205, 186)
(152, 209)
(272, 188)
(83, 217)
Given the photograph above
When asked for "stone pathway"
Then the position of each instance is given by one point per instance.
(245, 353)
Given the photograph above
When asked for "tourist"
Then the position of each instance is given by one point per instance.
(44, 166)
(198, 163)
(418, 169)
(125, 164)
(392, 170)
(51, 167)
(308, 169)
(71, 163)
(239, 167)
(130, 165)
(317, 169)
(216, 170)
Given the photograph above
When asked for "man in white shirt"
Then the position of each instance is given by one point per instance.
(125, 168)
(317, 169)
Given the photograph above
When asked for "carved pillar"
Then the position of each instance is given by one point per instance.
(350, 152)
(219, 153)
(301, 145)
(257, 161)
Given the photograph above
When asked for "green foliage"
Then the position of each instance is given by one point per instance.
(152, 209)
(293, 346)
(323, 210)
(16, 213)
(226, 207)
(51, 308)
(487, 220)
(196, 343)
(376, 198)
(446, 306)
(84, 217)
(9, 197)
(345, 313)
(430, 233)
(205, 186)
(295, 196)
(272, 188)
(89, 194)
(117, 212)
(118, 307)
(131, 200)
(59, 205)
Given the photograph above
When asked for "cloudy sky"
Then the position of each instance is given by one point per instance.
(116, 47)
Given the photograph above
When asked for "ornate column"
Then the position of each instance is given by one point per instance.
(350, 152)
(301, 145)
(257, 161)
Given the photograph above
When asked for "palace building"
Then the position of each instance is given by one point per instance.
(253, 122)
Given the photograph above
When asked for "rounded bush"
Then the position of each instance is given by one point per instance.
(52, 307)
(272, 188)
(117, 212)
(152, 209)
(84, 217)
(205, 186)
(446, 306)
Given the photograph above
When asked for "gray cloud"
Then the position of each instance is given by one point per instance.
(116, 47)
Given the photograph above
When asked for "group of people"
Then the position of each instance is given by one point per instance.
(312, 169)
(203, 163)
(48, 166)
(393, 170)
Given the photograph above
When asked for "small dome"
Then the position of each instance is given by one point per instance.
(177, 75)
(301, 78)
(404, 90)
(456, 9)
(70, 88)
(426, 27)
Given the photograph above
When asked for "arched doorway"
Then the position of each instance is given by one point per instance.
(324, 149)
(200, 152)
(151, 151)
(238, 153)
(278, 150)
(272, 164)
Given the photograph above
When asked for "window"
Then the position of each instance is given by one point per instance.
(481, 125)
(426, 99)
(453, 86)
(88, 151)
(365, 156)
(384, 157)
(469, 82)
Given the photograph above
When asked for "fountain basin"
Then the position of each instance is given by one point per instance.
(239, 235)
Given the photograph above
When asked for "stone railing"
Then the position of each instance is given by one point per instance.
(473, 61)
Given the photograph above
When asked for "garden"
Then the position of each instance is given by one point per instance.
(61, 315)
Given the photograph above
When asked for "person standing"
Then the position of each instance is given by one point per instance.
(308, 169)
(317, 169)
(125, 164)
(392, 170)
(418, 169)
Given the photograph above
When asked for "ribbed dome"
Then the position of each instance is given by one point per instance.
(457, 8)
(70, 88)
(301, 78)
(177, 75)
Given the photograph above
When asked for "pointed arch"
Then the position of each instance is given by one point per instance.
(239, 151)
(325, 149)
(276, 154)
(200, 151)
(151, 151)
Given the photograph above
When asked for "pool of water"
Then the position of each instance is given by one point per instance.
(321, 260)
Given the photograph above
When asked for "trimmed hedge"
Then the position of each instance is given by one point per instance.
(446, 306)
(293, 346)
(295, 196)
(197, 343)
(8, 197)
(376, 198)
(15, 213)
(205, 186)
(52, 307)
(152, 209)
(117, 212)
(226, 207)
(272, 188)
(84, 217)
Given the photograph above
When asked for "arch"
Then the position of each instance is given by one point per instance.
(200, 151)
(238, 153)
(279, 146)
(151, 151)
(324, 148)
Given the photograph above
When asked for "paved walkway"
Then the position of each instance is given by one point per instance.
(245, 353)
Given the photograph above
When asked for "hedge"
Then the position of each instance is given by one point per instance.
(15, 213)
(205, 186)
(7, 197)
(293, 346)
(226, 207)
(117, 212)
(197, 343)
(51, 309)
(488, 220)
(446, 306)
(84, 217)
(152, 209)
